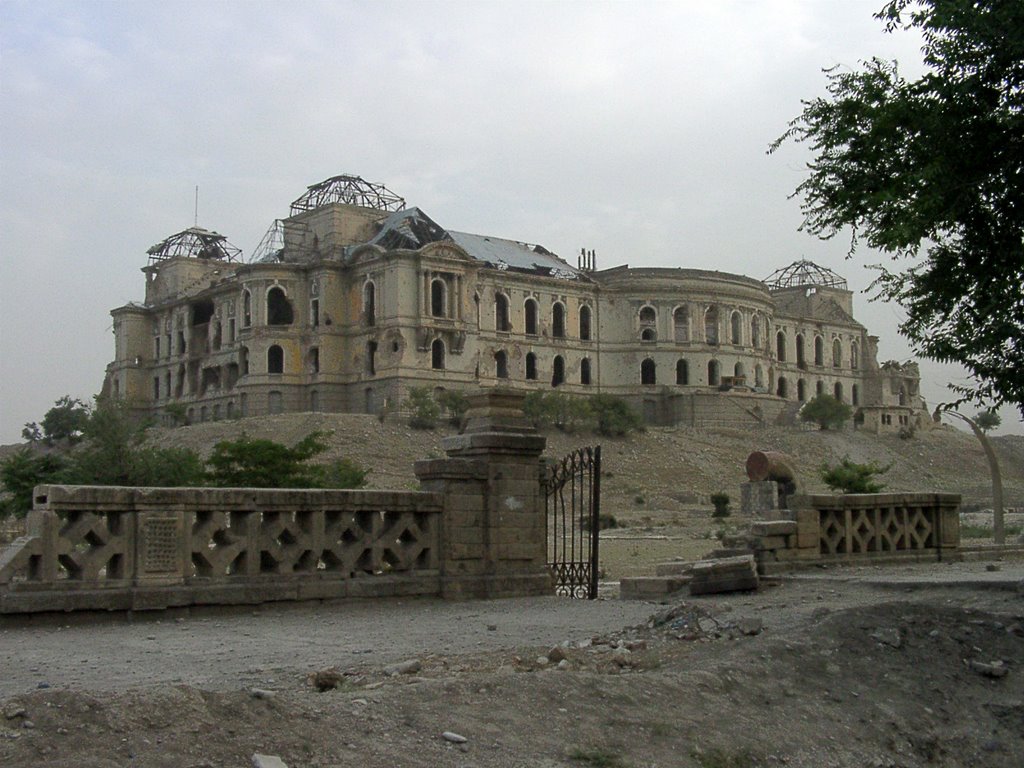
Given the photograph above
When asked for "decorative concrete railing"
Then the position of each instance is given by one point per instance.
(137, 548)
(860, 528)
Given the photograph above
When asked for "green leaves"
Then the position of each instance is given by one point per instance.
(933, 170)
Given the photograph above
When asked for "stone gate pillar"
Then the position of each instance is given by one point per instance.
(493, 528)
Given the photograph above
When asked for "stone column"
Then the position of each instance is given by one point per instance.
(493, 528)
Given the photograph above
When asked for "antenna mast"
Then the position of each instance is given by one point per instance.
(195, 221)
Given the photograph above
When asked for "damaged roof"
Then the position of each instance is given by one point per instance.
(195, 243)
(804, 272)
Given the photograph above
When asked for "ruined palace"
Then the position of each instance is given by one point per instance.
(355, 298)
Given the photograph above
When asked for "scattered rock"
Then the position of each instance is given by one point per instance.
(263, 693)
(556, 655)
(564, 664)
(453, 737)
(28, 725)
(492, 627)
(327, 679)
(410, 667)
(13, 709)
(888, 636)
(750, 626)
(622, 657)
(995, 669)
(992, 567)
(267, 761)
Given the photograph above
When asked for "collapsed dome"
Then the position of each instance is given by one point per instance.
(348, 190)
(195, 243)
(804, 272)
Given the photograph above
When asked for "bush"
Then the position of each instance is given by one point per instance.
(455, 403)
(826, 412)
(721, 504)
(850, 477)
(614, 417)
(425, 410)
(24, 470)
(249, 463)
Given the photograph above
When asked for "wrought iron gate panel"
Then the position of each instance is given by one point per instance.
(572, 490)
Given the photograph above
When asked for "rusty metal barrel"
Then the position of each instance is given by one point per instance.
(770, 465)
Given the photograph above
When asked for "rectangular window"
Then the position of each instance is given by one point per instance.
(156, 387)
(156, 348)
(314, 312)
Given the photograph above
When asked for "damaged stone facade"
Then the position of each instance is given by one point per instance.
(355, 298)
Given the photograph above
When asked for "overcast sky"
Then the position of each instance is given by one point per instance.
(635, 129)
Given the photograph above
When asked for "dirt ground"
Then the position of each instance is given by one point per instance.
(912, 666)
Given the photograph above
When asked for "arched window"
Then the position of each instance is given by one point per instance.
(682, 373)
(585, 322)
(819, 351)
(501, 364)
(558, 320)
(711, 325)
(714, 373)
(854, 356)
(371, 358)
(275, 359)
(648, 316)
(855, 394)
(370, 304)
(501, 321)
(837, 354)
(758, 376)
(838, 390)
(279, 309)
(782, 390)
(530, 310)
(648, 334)
(558, 371)
(801, 390)
(246, 310)
(437, 355)
(531, 366)
(801, 361)
(780, 346)
(437, 298)
(739, 372)
(755, 332)
(819, 387)
(681, 324)
(648, 372)
(243, 362)
(736, 323)
(585, 371)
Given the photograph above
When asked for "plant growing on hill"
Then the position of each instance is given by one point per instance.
(425, 410)
(826, 412)
(21, 472)
(720, 501)
(614, 416)
(258, 463)
(850, 477)
(455, 403)
(65, 423)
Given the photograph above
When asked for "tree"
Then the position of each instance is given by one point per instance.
(21, 472)
(987, 420)
(257, 463)
(826, 412)
(65, 423)
(931, 172)
(850, 477)
(455, 403)
(614, 416)
(425, 410)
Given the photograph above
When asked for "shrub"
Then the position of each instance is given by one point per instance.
(987, 420)
(249, 463)
(850, 477)
(22, 471)
(826, 412)
(425, 410)
(64, 423)
(614, 417)
(721, 503)
(455, 403)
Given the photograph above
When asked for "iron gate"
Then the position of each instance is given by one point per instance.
(572, 489)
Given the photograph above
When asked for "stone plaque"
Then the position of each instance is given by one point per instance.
(160, 544)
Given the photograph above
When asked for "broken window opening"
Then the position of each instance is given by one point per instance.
(585, 322)
(275, 359)
(156, 348)
(801, 390)
(202, 312)
(437, 355)
(855, 395)
(531, 366)
(648, 334)
(682, 373)
(182, 346)
(854, 356)
(369, 304)
(585, 371)
(736, 322)
(648, 316)
(819, 388)
(279, 309)
(648, 372)
(755, 332)
(501, 364)
(711, 325)
(371, 358)
(314, 313)
(530, 313)
(837, 354)
(438, 298)
(758, 376)
(681, 324)
(783, 388)
(501, 321)
(314, 359)
(780, 346)
(558, 320)
(558, 371)
(156, 387)
(243, 360)
(837, 390)
(800, 359)
(714, 373)
(246, 308)
(819, 351)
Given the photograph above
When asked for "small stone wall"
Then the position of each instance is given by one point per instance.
(859, 528)
(108, 548)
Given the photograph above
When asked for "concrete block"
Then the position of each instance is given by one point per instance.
(650, 587)
(773, 528)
